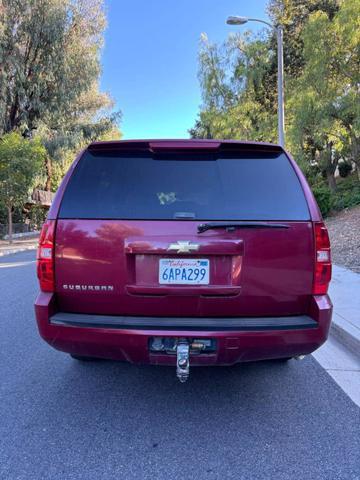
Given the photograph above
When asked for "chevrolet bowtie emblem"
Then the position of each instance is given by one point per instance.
(183, 247)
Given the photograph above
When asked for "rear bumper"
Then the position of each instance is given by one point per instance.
(238, 339)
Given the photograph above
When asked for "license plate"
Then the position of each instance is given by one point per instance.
(185, 271)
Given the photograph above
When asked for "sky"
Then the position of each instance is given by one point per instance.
(150, 59)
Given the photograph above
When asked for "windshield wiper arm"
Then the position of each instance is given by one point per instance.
(230, 226)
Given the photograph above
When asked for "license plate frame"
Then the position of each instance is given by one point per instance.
(184, 271)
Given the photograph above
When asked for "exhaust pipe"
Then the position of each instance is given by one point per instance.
(299, 357)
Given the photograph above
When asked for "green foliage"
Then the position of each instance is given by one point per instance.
(49, 78)
(323, 197)
(345, 169)
(293, 15)
(21, 163)
(347, 194)
(238, 98)
(324, 102)
(322, 109)
(49, 53)
(63, 145)
(37, 216)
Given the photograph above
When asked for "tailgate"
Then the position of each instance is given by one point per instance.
(112, 267)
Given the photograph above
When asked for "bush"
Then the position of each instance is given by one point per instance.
(345, 169)
(323, 197)
(347, 193)
(37, 216)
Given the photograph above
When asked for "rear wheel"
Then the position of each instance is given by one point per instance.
(80, 358)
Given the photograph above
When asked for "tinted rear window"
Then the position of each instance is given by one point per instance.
(203, 187)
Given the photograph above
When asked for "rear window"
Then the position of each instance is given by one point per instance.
(190, 186)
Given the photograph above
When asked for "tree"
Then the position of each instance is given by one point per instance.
(49, 56)
(325, 98)
(238, 100)
(49, 74)
(21, 161)
(293, 15)
(64, 138)
(345, 55)
(64, 143)
(322, 78)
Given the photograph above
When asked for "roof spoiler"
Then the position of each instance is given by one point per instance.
(156, 146)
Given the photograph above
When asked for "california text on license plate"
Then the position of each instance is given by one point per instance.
(184, 271)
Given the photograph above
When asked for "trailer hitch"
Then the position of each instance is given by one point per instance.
(182, 360)
(182, 348)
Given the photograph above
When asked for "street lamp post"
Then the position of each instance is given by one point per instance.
(280, 72)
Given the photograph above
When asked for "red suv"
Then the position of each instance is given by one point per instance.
(184, 252)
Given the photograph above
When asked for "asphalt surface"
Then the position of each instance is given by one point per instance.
(60, 419)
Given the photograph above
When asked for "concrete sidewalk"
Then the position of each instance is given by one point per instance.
(19, 245)
(345, 295)
(340, 355)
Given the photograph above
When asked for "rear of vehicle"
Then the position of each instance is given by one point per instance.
(163, 252)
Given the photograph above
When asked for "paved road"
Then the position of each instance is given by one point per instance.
(63, 420)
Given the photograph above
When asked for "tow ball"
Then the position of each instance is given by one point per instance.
(182, 360)
(182, 348)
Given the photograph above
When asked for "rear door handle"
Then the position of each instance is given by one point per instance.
(166, 246)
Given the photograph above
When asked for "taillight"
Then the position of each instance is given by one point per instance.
(322, 273)
(45, 257)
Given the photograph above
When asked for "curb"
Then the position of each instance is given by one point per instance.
(17, 250)
(344, 295)
(34, 233)
(346, 333)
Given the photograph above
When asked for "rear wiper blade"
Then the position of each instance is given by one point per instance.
(230, 227)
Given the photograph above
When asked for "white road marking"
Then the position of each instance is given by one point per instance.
(15, 264)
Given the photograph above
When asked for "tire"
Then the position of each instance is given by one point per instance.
(80, 358)
(282, 360)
